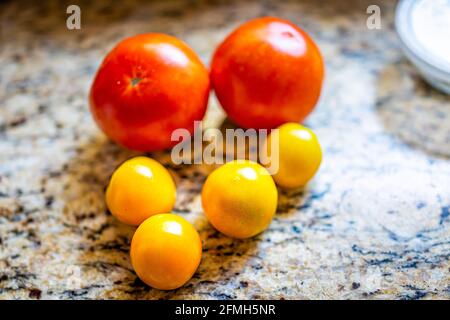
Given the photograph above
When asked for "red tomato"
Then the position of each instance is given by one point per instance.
(267, 72)
(146, 87)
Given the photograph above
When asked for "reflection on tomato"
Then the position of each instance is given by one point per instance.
(146, 87)
(266, 73)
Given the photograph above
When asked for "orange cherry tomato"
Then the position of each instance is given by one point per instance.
(240, 198)
(299, 155)
(267, 72)
(146, 87)
(165, 251)
(139, 188)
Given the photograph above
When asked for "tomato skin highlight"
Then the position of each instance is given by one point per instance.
(266, 73)
(146, 87)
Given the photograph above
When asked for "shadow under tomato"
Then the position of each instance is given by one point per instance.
(290, 201)
(219, 275)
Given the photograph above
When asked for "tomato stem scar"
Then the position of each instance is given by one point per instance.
(135, 81)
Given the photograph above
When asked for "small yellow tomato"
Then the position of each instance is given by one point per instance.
(165, 251)
(240, 198)
(140, 188)
(299, 155)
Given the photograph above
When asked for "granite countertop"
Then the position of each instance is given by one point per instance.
(374, 223)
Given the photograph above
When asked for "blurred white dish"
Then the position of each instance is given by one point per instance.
(424, 30)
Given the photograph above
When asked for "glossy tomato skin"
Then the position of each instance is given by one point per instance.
(266, 73)
(146, 87)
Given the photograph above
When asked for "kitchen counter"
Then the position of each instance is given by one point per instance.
(374, 223)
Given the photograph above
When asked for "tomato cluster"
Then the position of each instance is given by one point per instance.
(267, 73)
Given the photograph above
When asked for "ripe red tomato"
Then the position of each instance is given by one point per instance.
(267, 72)
(146, 87)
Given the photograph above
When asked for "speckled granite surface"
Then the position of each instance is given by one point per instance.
(375, 223)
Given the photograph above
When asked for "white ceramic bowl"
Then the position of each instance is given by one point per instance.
(432, 66)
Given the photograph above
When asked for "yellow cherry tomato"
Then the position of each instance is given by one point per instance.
(240, 198)
(165, 251)
(140, 188)
(299, 155)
